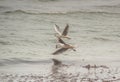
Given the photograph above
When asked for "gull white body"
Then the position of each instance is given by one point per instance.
(63, 46)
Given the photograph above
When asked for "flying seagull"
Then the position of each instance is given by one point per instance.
(64, 47)
(64, 33)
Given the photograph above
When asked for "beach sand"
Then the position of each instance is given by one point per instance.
(54, 70)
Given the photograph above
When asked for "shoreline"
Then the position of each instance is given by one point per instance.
(62, 71)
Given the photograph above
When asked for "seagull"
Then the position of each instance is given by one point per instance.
(64, 47)
(64, 33)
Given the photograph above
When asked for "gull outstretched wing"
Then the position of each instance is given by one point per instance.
(61, 50)
(57, 29)
(65, 32)
(61, 41)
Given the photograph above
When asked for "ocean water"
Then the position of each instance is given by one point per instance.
(27, 30)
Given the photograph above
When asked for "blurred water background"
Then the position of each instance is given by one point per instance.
(27, 29)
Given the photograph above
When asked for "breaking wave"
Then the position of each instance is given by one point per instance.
(57, 13)
(4, 62)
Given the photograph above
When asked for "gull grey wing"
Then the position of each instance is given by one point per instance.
(61, 50)
(57, 29)
(61, 41)
(65, 32)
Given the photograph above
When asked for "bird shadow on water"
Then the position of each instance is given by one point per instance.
(58, 71)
